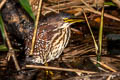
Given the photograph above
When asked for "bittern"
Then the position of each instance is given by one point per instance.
(52, 37)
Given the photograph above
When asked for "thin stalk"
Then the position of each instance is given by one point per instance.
(11, 52)
(100, 37)
(95, 43)
(36, 26)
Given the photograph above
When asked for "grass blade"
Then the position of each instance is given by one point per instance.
(3, 48)
(1, 28)
(109, 3)
(25, 4)
(100, 36)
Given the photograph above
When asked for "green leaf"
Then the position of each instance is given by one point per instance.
(2, 28)
(100, 36)
(25, 4)
(109, 3)
(3, 48)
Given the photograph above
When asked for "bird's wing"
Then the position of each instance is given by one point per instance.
(43, 43)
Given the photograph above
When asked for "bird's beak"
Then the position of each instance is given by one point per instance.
(73, 20)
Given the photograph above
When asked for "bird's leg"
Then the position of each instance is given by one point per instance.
(48, 72)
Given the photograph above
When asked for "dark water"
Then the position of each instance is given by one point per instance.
(113, 44)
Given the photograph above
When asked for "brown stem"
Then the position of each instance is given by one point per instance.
(36, 25)
(11, 52)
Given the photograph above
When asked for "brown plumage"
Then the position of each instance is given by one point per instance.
(52, 37)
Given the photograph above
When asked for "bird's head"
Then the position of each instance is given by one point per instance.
(62, 20)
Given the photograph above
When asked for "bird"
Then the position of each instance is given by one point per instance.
(53, 35)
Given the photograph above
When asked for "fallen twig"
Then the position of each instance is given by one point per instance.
(104, 65)
(97, 12)
(115, 74)
(2, 3)
(105, 14)
(60, 69)
(11, 51)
